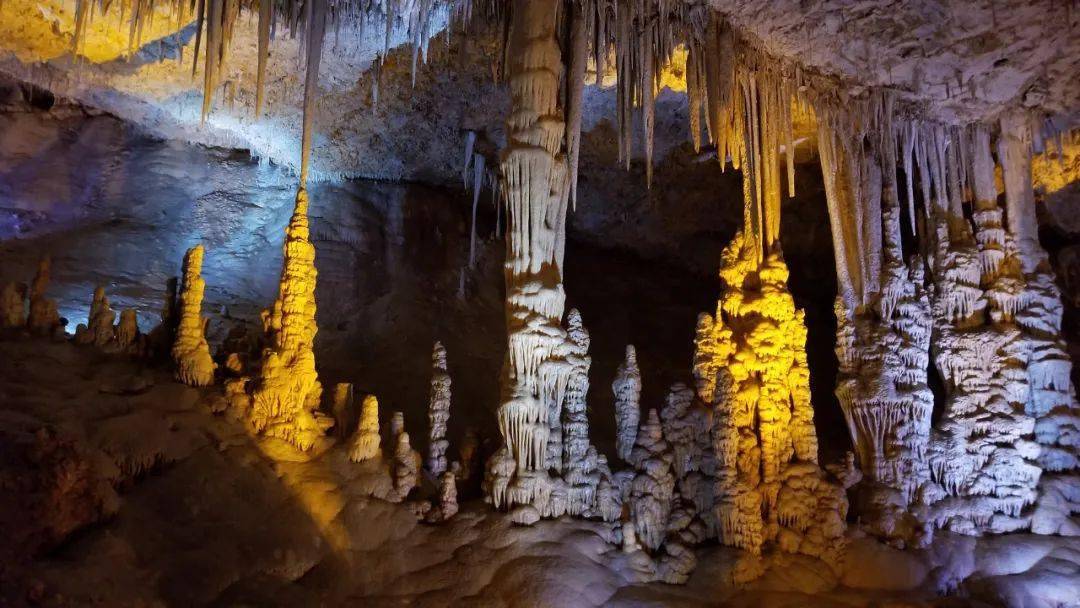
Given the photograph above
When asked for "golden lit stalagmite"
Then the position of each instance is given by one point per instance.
(287, 392)
(190, 352)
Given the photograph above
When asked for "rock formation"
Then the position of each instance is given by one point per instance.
(763, 434)
(366, 440)
(397, 425)
(546, 365)
(448, 505)
(653, 488)
(99, 329)
(13, 306)
(687, 426)
(287, 393)
(406, 466)
(627, 389)
(190, 351)
(438, 412)
(128, 337)
(43, 318)
(343, 409)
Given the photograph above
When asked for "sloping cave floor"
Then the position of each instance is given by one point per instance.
(204, 517)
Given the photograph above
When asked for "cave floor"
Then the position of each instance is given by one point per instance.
(206, 515)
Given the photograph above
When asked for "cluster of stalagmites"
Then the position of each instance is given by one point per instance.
(980, 303)
(42, 318)
(750, 367)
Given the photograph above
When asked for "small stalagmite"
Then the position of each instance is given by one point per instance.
(627, 389)
(365, 443)
(99, 329)
(191, 352)
(44, 318)
(406, 466)
(448, 495)
(438, 411)
(13, 306)
(397, 425)
(287, 393)
(343, 408)
(653, 487)
(127, 331)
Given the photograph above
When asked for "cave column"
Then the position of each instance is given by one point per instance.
(535, 184)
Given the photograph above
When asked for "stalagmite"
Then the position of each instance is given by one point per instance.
(99, 329)
(762, 420)
(448, 495)
(397, 425)
(627, 389)
(406, 466)
(687, 424)
(579, 458)
(343, 408)
(653, 487)
(13, 306)
(190, 351)
(365, 443)
(127, 332)
(438, 412)
(287, 393)
(43, 318)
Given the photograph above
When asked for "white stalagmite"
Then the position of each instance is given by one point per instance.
(687, 425)
(287, 393)
(627, 389)
(883, 351)
(190, 351)
(579, 459)
(653, 488)
(438, 411)
(365, 443)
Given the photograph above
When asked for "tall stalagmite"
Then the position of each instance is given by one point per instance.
(768, 485)
(627, 389)
(288, 392)
(438, 412)
(190, 351)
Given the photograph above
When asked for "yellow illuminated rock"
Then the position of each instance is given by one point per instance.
(190, 352)
(288, 392)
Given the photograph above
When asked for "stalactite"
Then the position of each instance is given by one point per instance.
(191, 352)
(266, 16)
(316, 30)
(575, 86)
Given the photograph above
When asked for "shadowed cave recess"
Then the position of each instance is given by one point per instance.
(539, 303)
